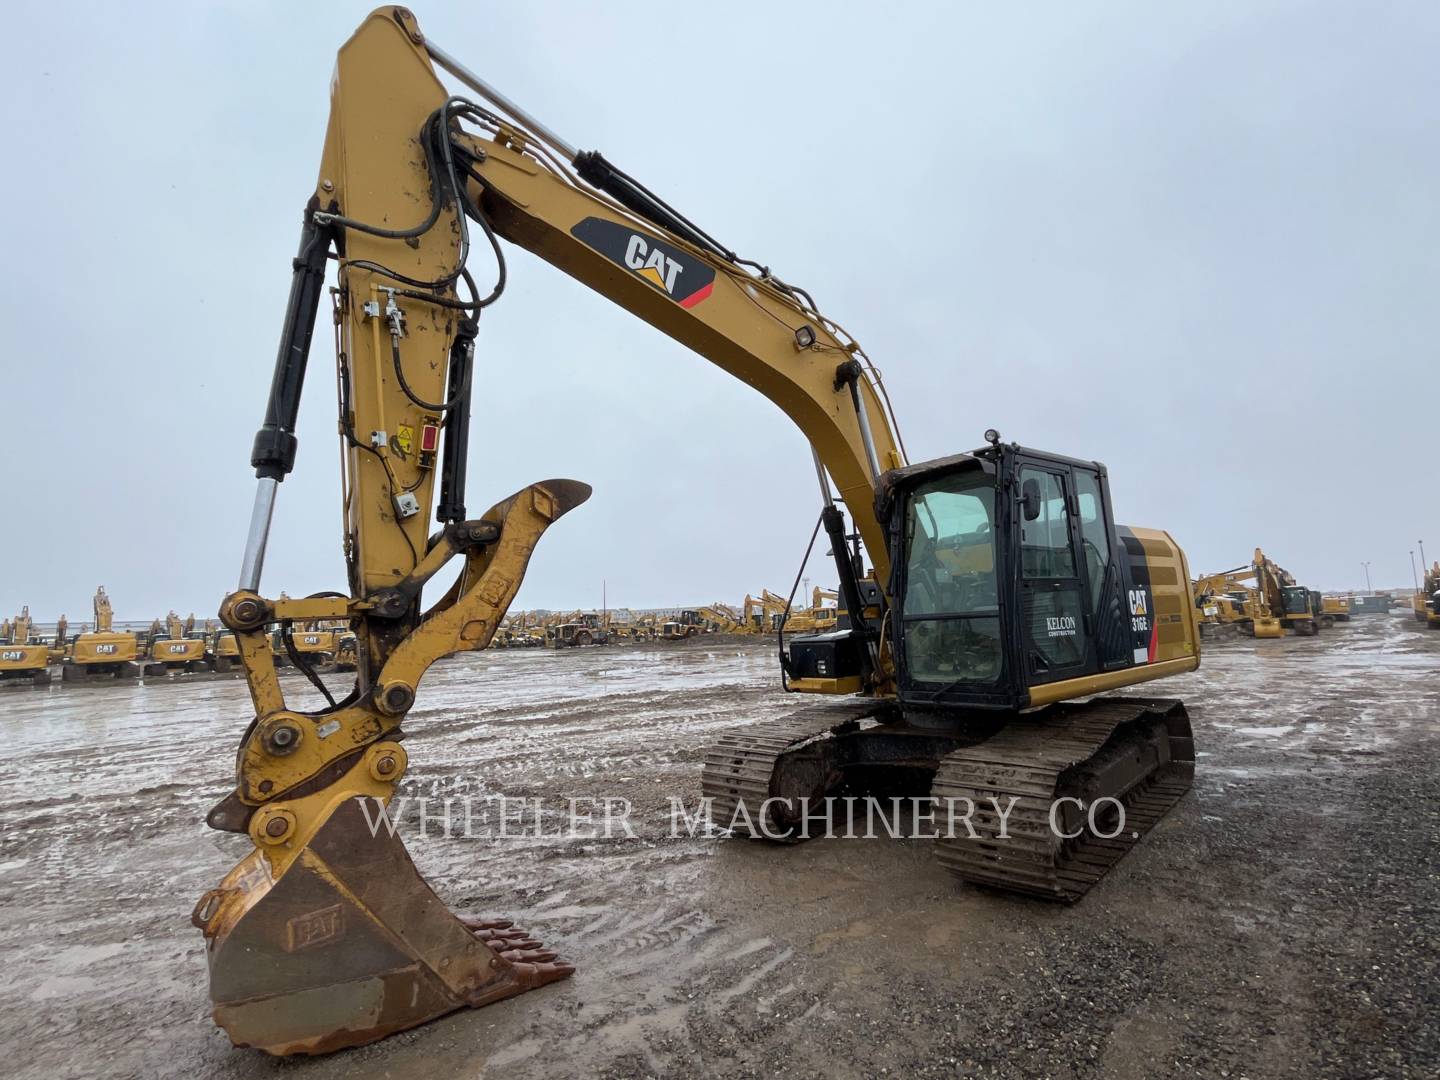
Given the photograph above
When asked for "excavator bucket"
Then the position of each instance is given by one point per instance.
(325, 936)
(349, 944)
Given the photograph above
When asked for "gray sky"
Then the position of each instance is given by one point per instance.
(1199, 243)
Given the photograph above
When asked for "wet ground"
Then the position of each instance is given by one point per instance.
(1282, 921)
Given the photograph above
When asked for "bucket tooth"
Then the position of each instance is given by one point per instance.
(348, 944)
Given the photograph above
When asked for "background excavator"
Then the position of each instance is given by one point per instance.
(103, 651)
(1292, 603)
(177, 649)
(819, 617)
(762, 613)
(1426, 602)
(22, 655)
(723, 619)
(1233, 598)
(999, 593)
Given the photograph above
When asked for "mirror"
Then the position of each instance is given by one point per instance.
(1030, 499)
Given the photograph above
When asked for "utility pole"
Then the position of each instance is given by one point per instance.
(1367, 577)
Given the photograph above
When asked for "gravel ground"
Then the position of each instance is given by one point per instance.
(1280, 922)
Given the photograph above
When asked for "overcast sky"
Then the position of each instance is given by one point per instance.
(1197, 242)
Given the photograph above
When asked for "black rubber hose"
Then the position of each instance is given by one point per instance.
(780, 632)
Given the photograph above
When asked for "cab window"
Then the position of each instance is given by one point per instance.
(951, 629)
(1045, 538)
(1094, 537)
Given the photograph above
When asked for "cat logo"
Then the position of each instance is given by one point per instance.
(680, 275)
(12, 654)
(1138, 604)
(105, 650)
(314, 928)
(651, 263)
(178, 649)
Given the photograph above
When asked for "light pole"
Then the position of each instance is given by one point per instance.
(1367, 577)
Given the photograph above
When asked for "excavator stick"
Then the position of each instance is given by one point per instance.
(349, 944)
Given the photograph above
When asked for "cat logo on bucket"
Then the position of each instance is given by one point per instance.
(678, 274)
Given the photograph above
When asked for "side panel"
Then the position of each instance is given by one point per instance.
(24, 657)
(1157, 597)
(176, 651)
(314, 641)
(105, 648)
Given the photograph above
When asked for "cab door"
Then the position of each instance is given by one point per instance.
(1056, 606)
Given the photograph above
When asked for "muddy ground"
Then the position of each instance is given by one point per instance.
(1282, 921)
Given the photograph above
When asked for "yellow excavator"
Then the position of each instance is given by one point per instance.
(723, 619)
(1426, 602)
(60, 642)
(23, 658)
(520, 631)
(1295, 605)
(224, 651)
(103, 651)
(1233, 599)
(176, 649)
(1001, 600)
(819, 617)
(764, 613)
(1336, 608)
(760, 614)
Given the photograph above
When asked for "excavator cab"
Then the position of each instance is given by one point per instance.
(1012, 586)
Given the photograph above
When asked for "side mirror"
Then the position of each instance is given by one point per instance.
(1030, 499)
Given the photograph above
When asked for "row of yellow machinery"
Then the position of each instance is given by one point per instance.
(174, 645)
(765, 614)
(1260, 599)
(1264, 600)
(169, 647)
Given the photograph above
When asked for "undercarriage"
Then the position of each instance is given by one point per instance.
(1043, 803)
